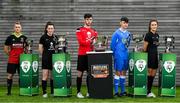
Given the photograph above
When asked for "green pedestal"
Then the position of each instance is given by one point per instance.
(29, 74)
(62, 74)
(137, 74)
(167, 75)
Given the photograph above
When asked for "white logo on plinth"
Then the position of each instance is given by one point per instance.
(58, 66)
(169, 66)
(131, 64)
(140, 65)
(25, 65)
(35, 66)
(68, 66)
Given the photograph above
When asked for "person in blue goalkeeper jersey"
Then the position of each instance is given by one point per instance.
(119, 45)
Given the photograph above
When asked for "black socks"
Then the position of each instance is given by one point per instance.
(9, 85)
(44, 86)
(150, 83)
(78, 83)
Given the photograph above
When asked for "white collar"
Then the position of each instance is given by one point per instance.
(122, 30)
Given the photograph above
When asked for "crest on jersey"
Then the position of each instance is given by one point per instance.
(89, 34)
(58, 66)
(169, 66)
(25, 65)
(140, 65)
(124, 40)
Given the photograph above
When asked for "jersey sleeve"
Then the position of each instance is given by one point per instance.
(129, 38)
(113, 41)
(41, 41)
(147, 38)
(96, 34)
(55, 39)
(81, 40)
(8, 41)
(26, 40)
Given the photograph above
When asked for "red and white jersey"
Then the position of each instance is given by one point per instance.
(84, 37)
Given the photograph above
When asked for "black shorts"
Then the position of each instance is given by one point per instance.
(47, 62)
(82, 63)
(153, 60)
(11, 68)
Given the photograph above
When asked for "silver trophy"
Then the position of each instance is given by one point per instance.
(169, 42)
(24, 43)
(62, 44)
(29, 46)
(137, 39)
(101, 43)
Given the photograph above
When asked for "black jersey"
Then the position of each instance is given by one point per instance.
(49, 43)
(153, 42)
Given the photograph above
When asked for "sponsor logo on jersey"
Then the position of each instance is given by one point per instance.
(51, 47)
(17, 45)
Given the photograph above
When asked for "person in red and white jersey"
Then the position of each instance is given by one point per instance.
(86, 37)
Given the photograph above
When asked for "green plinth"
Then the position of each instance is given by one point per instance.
(167, 75)
(62, 74)
(29, 74)
(137, 74)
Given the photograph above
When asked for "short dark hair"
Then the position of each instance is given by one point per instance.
(124, 18)
(87, 15)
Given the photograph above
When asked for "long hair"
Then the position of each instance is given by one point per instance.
(152, 20)
(47, 24)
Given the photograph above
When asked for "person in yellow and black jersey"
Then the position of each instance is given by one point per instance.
(15, 44)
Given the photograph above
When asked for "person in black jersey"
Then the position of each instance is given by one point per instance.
(151, 42)
(47, 48)
(15, 45)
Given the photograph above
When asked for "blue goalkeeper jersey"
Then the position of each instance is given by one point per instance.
(119, 44)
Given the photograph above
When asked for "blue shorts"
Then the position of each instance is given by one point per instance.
(121, 64)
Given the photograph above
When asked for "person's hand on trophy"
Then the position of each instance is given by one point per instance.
(92, 40)
(141, 49)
